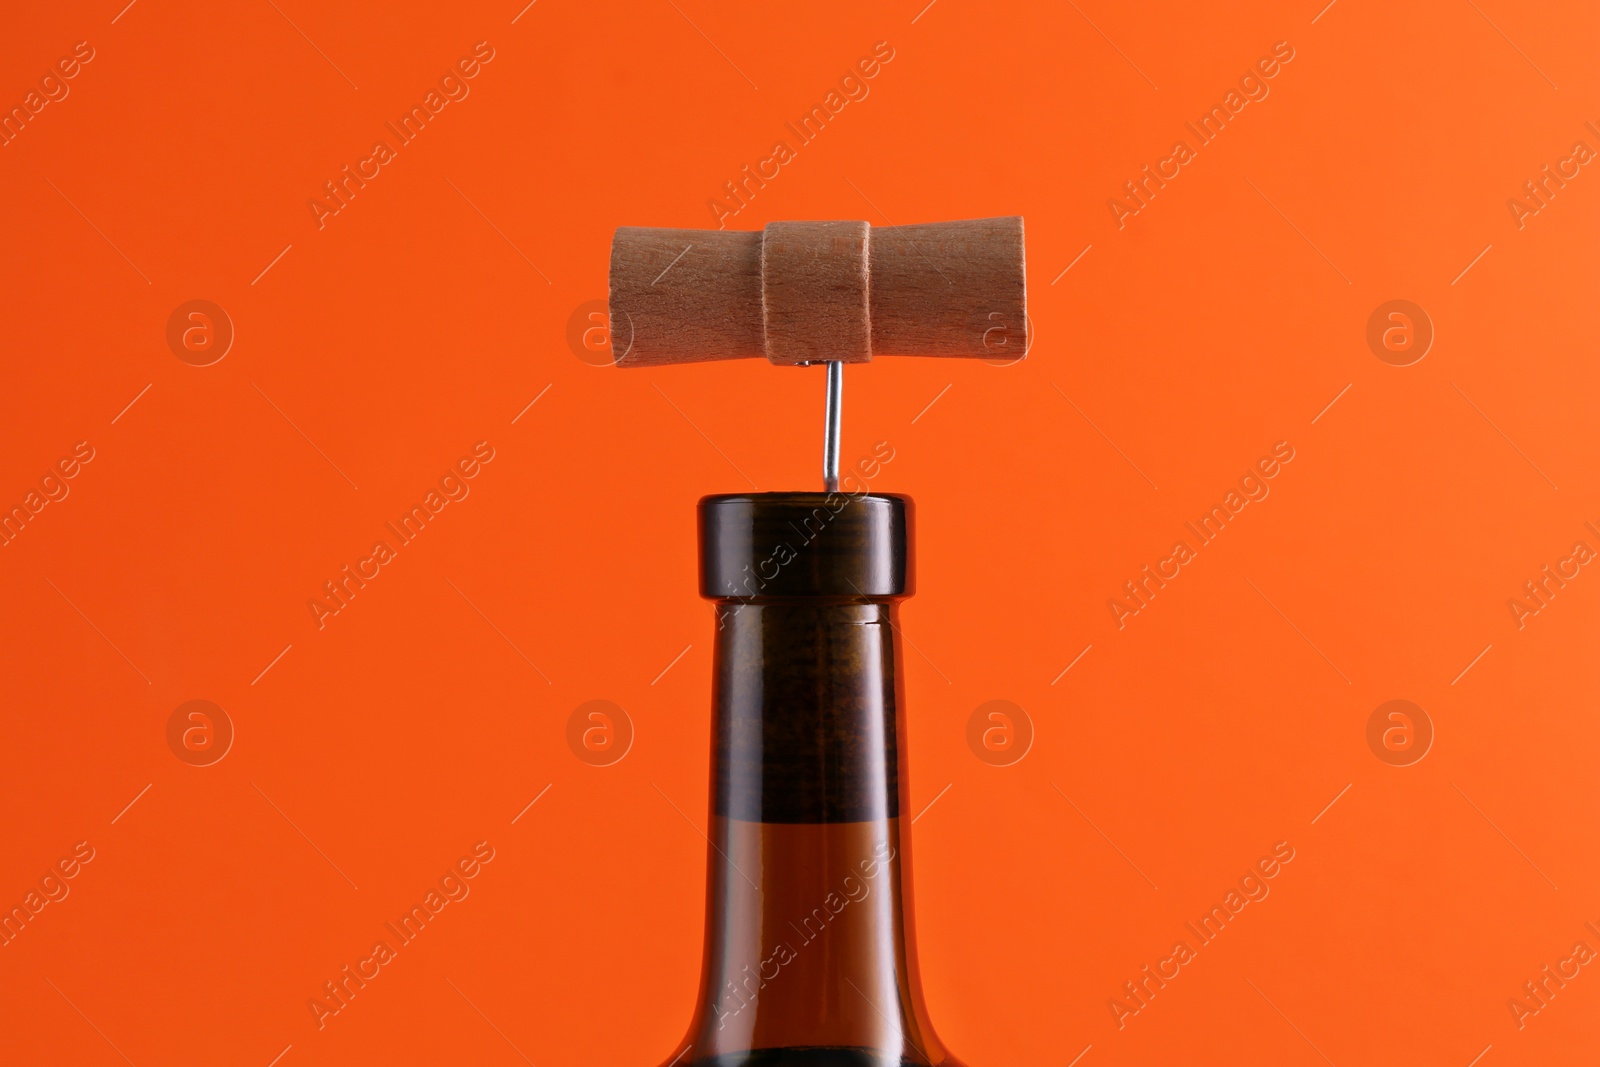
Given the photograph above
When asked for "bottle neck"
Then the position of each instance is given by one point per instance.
(808, 946)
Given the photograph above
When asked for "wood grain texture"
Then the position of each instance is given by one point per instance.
(802, 291)
(814, 292)
(685, 296)
(950, 289)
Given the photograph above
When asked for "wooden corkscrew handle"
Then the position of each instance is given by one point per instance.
(806, 292)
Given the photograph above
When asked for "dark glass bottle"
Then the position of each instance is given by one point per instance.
(809, 957)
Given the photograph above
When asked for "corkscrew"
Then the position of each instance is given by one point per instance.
(803, 293)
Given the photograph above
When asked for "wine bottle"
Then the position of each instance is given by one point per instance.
(809, 956)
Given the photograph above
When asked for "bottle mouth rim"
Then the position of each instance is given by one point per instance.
(801, 497)
(805, 545)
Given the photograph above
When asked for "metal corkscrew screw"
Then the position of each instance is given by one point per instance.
(830, 433)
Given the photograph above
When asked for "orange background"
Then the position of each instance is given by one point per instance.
(423, 718)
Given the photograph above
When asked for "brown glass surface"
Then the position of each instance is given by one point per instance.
(809, 959)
